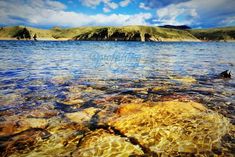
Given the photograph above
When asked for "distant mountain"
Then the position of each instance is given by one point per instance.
(182, 27)
(125, 33)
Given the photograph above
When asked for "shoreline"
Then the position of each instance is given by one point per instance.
(69, 39)
(38, 39)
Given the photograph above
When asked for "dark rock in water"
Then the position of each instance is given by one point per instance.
(35, 37)
(225, 74)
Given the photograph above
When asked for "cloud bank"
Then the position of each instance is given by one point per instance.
(50, 13)
(198, 13)
(47, 13)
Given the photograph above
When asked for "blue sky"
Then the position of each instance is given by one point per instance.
(75, 13)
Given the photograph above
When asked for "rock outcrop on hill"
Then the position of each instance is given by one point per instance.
(103, 34)
(135, 33)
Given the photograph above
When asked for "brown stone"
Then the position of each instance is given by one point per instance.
(13, 125)
(102, 143)
(82, 117)
(22, 142)
(171, 127)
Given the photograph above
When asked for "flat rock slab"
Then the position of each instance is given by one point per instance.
(171, 127)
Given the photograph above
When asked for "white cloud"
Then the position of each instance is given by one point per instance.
(90, 3)
(112, 5)
(143, 6)
(108, 4)
(106, 9)
(198, 12)
(124, 3)
(55, 4)
(228, 21)
(41, 13)
(170, 15)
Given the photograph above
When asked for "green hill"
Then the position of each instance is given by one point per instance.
(215, 34)
(125, 33)
(134, 33)
(10, 32)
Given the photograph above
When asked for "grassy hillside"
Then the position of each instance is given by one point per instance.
(10, 32)
(215, 34)
(126, 33)
(93, 33)
(134, 33)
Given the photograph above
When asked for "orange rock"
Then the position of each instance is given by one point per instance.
(171, 127)
(42, 112)
(82, 117)
(102, 143)
(22, 142)
(15, 124)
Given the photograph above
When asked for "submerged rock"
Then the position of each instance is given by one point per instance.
(22, 142)
(102, 143)
(13, 125)
(60, 80)
(159, 88)
(82, 117)
(72, 97)
(63, 139)
(178, 96)
(43, 111)
(117, 99)
(171, 127)
(72, 102)
(184, 80)
(11, 100)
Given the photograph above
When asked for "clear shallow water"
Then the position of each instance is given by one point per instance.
(34, 75)
(23, 62)
(105, 60)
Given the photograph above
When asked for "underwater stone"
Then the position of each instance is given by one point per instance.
(101, 143)
(171, 127)
(62, 141)
(72, 102)
(43, 111)
(15, 124)
(82, 117)
(184, 80)
(22, 142)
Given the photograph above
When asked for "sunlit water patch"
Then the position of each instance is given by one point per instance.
(62, 98)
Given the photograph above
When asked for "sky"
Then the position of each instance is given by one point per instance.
(76, 13)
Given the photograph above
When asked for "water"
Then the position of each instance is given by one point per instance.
(50, 74)
(106, 60)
